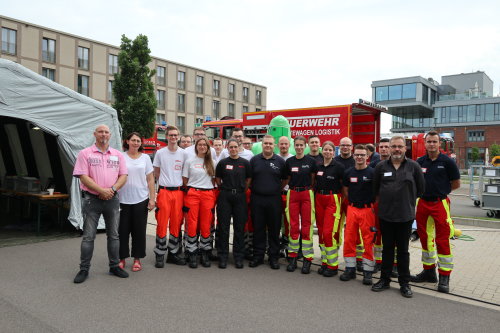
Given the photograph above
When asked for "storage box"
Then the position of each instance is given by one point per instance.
(491, 172)
(492, 188)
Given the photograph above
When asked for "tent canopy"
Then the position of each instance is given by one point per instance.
(59, 111)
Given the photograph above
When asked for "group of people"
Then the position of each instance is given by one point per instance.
(377, 196)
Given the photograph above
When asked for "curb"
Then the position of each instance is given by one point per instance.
(476, 222)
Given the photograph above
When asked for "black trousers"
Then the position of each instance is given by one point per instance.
(231, 205)
(133, 220)
(396, 234)
(266, 218)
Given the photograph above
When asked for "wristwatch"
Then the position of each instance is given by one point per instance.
(113, 188)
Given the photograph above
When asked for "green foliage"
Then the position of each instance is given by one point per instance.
(133, 89)
(494, 150)
(474, 154)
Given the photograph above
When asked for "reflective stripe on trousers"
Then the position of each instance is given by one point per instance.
(328, 217)
(300, 213)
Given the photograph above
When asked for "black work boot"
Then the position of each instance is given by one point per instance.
(193, 260)
(381, 285)
(160, 261)
(292, 264)
(328, 272)
(444, 283)
(359, 266)
(205, 260)
(321, 269)
(306, 267)
(175, 258)
(427, 275)
(367, 278)
(349, 274)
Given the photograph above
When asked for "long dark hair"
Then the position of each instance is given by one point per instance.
(125, 144)
(208, 163)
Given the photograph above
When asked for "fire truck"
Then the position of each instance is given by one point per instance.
(156, 142)
(359, 121)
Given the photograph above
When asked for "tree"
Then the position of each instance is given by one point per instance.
(494, 150)
(133, 89)
(474, 155)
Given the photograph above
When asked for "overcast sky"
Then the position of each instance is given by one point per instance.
(307, 53)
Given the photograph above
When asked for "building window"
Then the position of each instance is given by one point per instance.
(199, 105)
(181, 124)
(111, 97)
(230, 89)
(181, 102)
(230, 110)
(48, 50)
(245, 94)
(381, 94)
(479, 161)
(160, 99)
(49, 73)
(216, 109)
(113, 64)
(475, 136)
(258, 97)
(397, 92)
(160, 119)
(9, 40)
(83, 84)
(258, 109)
(83, 58)
(410, 91)
(199, 84)
(160, 75)
(216, 88)
(181, 80)
(244, 109)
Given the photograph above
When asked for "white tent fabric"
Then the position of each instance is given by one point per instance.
(58, 110)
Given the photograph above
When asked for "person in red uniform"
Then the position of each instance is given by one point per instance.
(198, 175)
(328, 201)
(358, 188)
(434, 224)
(300, 170)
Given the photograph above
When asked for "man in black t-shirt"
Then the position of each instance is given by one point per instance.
(357, 186)
(268, 174)
(232, 175)
(314, 144)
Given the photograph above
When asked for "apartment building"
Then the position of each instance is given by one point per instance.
(185, 95)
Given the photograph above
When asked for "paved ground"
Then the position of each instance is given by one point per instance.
(37, 295)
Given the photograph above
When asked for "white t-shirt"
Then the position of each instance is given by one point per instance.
(246, 154)
(285, 157)
(194, 170)
(170, 164)
(191, 152)
(136, 189)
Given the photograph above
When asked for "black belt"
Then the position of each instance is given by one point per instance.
(326, 192)
(176, 188)
(232, 190)
(201, 189)
(360, 205)
(434, 199)
(300, 189)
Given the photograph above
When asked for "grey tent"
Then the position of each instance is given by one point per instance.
(59, 111)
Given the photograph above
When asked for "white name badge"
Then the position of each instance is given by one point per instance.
(354, 179)
(424, 170)
(320, 173)
(387, 174)
(229, 167)
(113, 158)
(295, 169)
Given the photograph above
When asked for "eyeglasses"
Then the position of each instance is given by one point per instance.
(199, 134)
(359, 155)
(172, 135)
(345, 145)
(397, 147)
(247, 143)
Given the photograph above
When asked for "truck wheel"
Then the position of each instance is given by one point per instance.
(477, 203)
(490, 213)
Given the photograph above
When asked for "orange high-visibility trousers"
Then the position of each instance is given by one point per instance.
(359, 219)
(168, 215)
(200, 204)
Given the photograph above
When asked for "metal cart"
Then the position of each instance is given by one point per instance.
(487, 194)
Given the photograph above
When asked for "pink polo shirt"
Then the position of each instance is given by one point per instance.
(103, 168)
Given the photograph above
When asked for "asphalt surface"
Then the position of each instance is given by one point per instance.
(37, 294)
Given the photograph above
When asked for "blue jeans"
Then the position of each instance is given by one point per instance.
(92, 208)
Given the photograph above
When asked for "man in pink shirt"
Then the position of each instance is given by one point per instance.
(102, 172)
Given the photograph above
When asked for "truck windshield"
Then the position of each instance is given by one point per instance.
(160, 134)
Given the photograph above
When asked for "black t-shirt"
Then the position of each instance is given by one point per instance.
(233, 173)
(360, 184)
(438, 174)
(300, 171)
(329, 178)
(346, 162)
(267, 174)
(318, 158)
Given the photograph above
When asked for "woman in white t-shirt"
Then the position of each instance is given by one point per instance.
(198, 174)
(137, 196)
